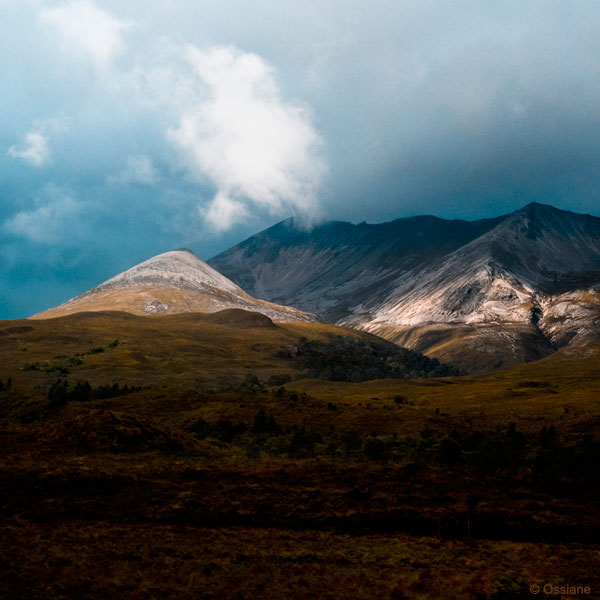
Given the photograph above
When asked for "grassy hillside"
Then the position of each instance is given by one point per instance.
(217, 473)
(201, 351)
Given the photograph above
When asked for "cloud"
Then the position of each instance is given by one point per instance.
(259, 151)
(223, 211)
(33, 149)
(138, 170)
(84, 25)
(56, 220)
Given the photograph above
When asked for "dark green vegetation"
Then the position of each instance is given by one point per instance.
(61, 393)
(194, 459)
(348, 359)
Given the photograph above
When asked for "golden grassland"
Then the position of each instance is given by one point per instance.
(563, 390)
(185, 349)
(175, 301)
(120, 497)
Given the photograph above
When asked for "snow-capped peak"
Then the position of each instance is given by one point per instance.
(179, 269)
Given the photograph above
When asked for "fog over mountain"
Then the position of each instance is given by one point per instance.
(481, 295)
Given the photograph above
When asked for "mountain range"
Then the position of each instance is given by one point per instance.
(479, 295)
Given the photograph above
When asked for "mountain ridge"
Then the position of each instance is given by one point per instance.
(506, 276)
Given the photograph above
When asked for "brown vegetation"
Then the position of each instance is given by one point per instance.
(218, 473)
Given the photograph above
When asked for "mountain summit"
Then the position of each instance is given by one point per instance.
(480, 295)
(173, 282)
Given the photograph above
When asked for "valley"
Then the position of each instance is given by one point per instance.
(412, 414)
(202, 459)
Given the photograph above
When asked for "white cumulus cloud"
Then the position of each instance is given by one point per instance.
(32, 149)
(223, 211)
(258, 150)
(83, 25)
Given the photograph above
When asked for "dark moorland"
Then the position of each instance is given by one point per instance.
(223, 456)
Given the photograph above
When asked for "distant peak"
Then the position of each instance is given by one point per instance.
(181, 254)
(535, 211)
(534, 208)
(184, 250)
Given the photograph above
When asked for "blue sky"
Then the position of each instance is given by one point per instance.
(130, 128)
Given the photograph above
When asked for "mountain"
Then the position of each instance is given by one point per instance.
(173, 282)
(480, 295)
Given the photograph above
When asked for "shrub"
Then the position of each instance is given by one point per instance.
(303, 442)
(264, 423)
(200, 428)
(402, 400)
(449, 451)
(375, 449)
(227, 431)
(351, 440)
(278, 380)
(58, 394)
(97, 350)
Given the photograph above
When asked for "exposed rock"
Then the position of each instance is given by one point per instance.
(516, 287)
(170, 283)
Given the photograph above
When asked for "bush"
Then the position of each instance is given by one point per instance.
(375, 449)
(303, 442)
(58, 394)
(200, 428)
(266, 424)
(227, 431)
(449, 451)
(278, 380)
(351, 440)
(402, 400)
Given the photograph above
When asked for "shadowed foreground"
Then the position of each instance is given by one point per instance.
(121, 479)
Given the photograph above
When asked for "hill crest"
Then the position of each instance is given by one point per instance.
(169, 283)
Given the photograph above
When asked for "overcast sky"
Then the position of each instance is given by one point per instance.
(131, 128)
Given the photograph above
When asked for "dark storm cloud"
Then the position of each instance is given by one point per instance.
(111, 115)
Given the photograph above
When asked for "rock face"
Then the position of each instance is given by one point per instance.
(172, 282)
(480, 295)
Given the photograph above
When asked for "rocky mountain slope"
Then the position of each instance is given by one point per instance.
(173, 282)
(480, 295)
